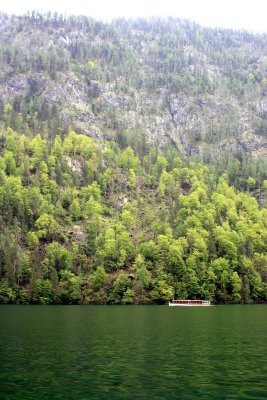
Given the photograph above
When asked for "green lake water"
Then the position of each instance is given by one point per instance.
(133, 352)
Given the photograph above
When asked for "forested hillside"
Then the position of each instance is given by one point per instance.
(83, 221)
(166, 80)
(132, 162)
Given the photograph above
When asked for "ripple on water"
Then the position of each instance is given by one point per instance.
(133, 352)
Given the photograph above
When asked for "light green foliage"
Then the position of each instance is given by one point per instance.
(92, 166)
(227, 248)
(121, 285)
(92, 208)
(128, 160)
(127, 219)
(32, 239)
(236, 286)
(11, 144)
(251, 183)
(7, 295)
(128, 297)
(57, 149)
(86, 146)
(42, 291)
(166, 184)
(162, 291)
(143, 277)
(138, 262)
(191, 201)
(98, 278)
(149, 250)
(109, 251)
(91, 65)
(175, 259)
(46, 226)
(106, 180)
(60, 257)
(185, 176)
(13, 199)
(10, 163)
(69, 287)
(38, 147)
(93, 191)
(75, 210)
(123, 230)
(76, 145)
(7, 114)
(161, 164)
(132, 179)
(24, 267)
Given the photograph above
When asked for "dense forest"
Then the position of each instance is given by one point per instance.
(132, 162)
(84, 221)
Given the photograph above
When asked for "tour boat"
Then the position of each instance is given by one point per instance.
(189, 303)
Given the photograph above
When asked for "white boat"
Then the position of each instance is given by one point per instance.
(189, 303)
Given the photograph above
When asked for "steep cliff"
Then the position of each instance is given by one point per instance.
(166, 81)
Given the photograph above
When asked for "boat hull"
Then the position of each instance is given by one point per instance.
(189, 304)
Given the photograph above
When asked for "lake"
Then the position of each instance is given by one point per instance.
(133, 352)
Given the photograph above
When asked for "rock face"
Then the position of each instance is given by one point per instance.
(167, 81)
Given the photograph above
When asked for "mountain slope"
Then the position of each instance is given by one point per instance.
(168, 81)
(85, 222)
(122, 211)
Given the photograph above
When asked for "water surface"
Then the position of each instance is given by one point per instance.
(133, 352)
